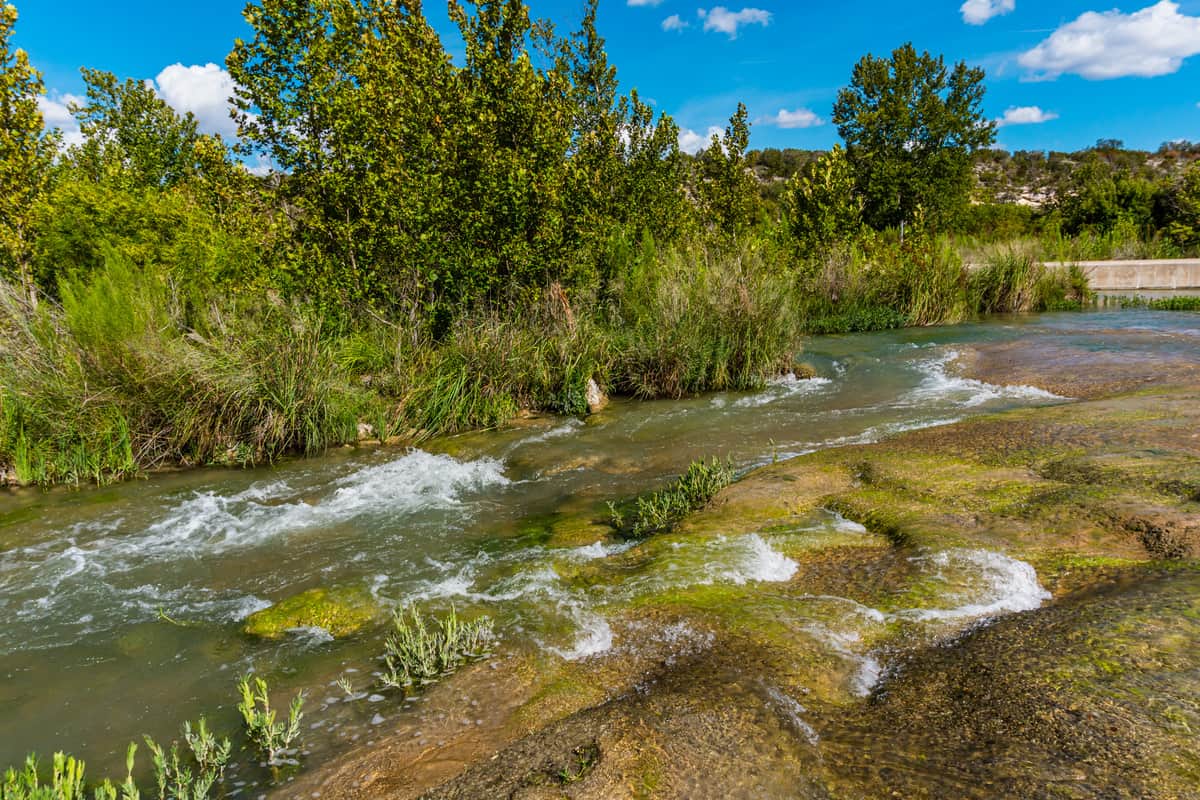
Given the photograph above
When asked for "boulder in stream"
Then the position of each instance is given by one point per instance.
(339, 611)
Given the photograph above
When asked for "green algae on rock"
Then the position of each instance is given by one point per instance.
(339, 611)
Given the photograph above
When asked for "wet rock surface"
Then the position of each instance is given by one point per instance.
(336, 612)
(858, 676)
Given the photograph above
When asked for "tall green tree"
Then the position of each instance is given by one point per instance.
(1182, 208)
(823, 208)
(728, 194)
(26, 155)
(652, 197)
(512, 154)
(131, 135)
(355, 101)
(910, 125)
(596, 149)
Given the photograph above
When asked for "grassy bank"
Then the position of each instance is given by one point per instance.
(132, 368)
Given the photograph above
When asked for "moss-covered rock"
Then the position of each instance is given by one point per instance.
(340, 611)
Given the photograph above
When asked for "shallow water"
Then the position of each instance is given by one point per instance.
(88, 664)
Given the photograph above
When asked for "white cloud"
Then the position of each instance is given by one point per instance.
(674, 23)
(692, 142)
(977, 12)
(800, 118)
(722, 20)
(641, 3)
(56, 113)
(1025, 115)
(202, 90)
(1099, 46)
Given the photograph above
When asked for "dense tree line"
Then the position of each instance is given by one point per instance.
(444, 242)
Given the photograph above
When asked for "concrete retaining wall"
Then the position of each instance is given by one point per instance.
(1131, 276)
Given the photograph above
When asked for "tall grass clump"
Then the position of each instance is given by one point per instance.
(1014, 281)
(694, 320)
(1186, 303)
(662, 510)
(417, 654)
(129, 371)
(493, 364)
(879, 282)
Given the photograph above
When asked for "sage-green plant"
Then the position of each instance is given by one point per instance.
(418, 654)
(660, 511)
(66, 781)
(272, 738)
(128, 790)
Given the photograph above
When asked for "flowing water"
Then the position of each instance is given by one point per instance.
(87, 664)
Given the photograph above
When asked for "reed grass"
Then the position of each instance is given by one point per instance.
(132, 370)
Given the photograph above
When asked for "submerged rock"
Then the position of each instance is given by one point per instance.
(339, 611)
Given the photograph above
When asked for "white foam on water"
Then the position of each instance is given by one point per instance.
(939, 385)
(844, 525)
(568, 428)
(48, 580)
(738, 560)
(311, 634)
(983, 583)
(849, 645)
(765, 564)
(598, 550)
(594, 637)
(782, 388)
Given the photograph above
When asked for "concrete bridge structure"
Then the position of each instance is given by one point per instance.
(1146, 275)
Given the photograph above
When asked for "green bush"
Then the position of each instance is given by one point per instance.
(418, 654)
(662, 510)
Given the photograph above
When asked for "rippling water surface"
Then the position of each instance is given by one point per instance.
(88, 664)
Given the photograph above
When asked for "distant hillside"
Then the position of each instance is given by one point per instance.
(1031, 178)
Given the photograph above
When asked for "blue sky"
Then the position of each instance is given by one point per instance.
(1066, 72)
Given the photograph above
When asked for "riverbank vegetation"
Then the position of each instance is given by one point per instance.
(195, 771)
(436, 244)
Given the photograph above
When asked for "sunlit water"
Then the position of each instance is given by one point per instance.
(86, 663)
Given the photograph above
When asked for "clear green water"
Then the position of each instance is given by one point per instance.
(86, 665)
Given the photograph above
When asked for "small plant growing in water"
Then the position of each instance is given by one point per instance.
(127, 790)
(66, 781)
(418, 654)
(272, 738)
(343, 683)
(660, 511)
(210, 753)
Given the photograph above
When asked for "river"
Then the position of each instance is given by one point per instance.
(88, 663)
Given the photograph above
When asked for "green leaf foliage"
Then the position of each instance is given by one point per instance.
(910, 125)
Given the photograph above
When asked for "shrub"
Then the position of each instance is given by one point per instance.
(272, 738)
(130, 372)
(690, 322)
(66, 781)
(662, 510)
(1175, 304)
(417, 654)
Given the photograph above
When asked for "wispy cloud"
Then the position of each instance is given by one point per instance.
(1025, 115)
(674, 23)
(977, 12)
(722, 20)
(789, 120)
(1100, 46)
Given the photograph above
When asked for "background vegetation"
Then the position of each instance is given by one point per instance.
(442, 244)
